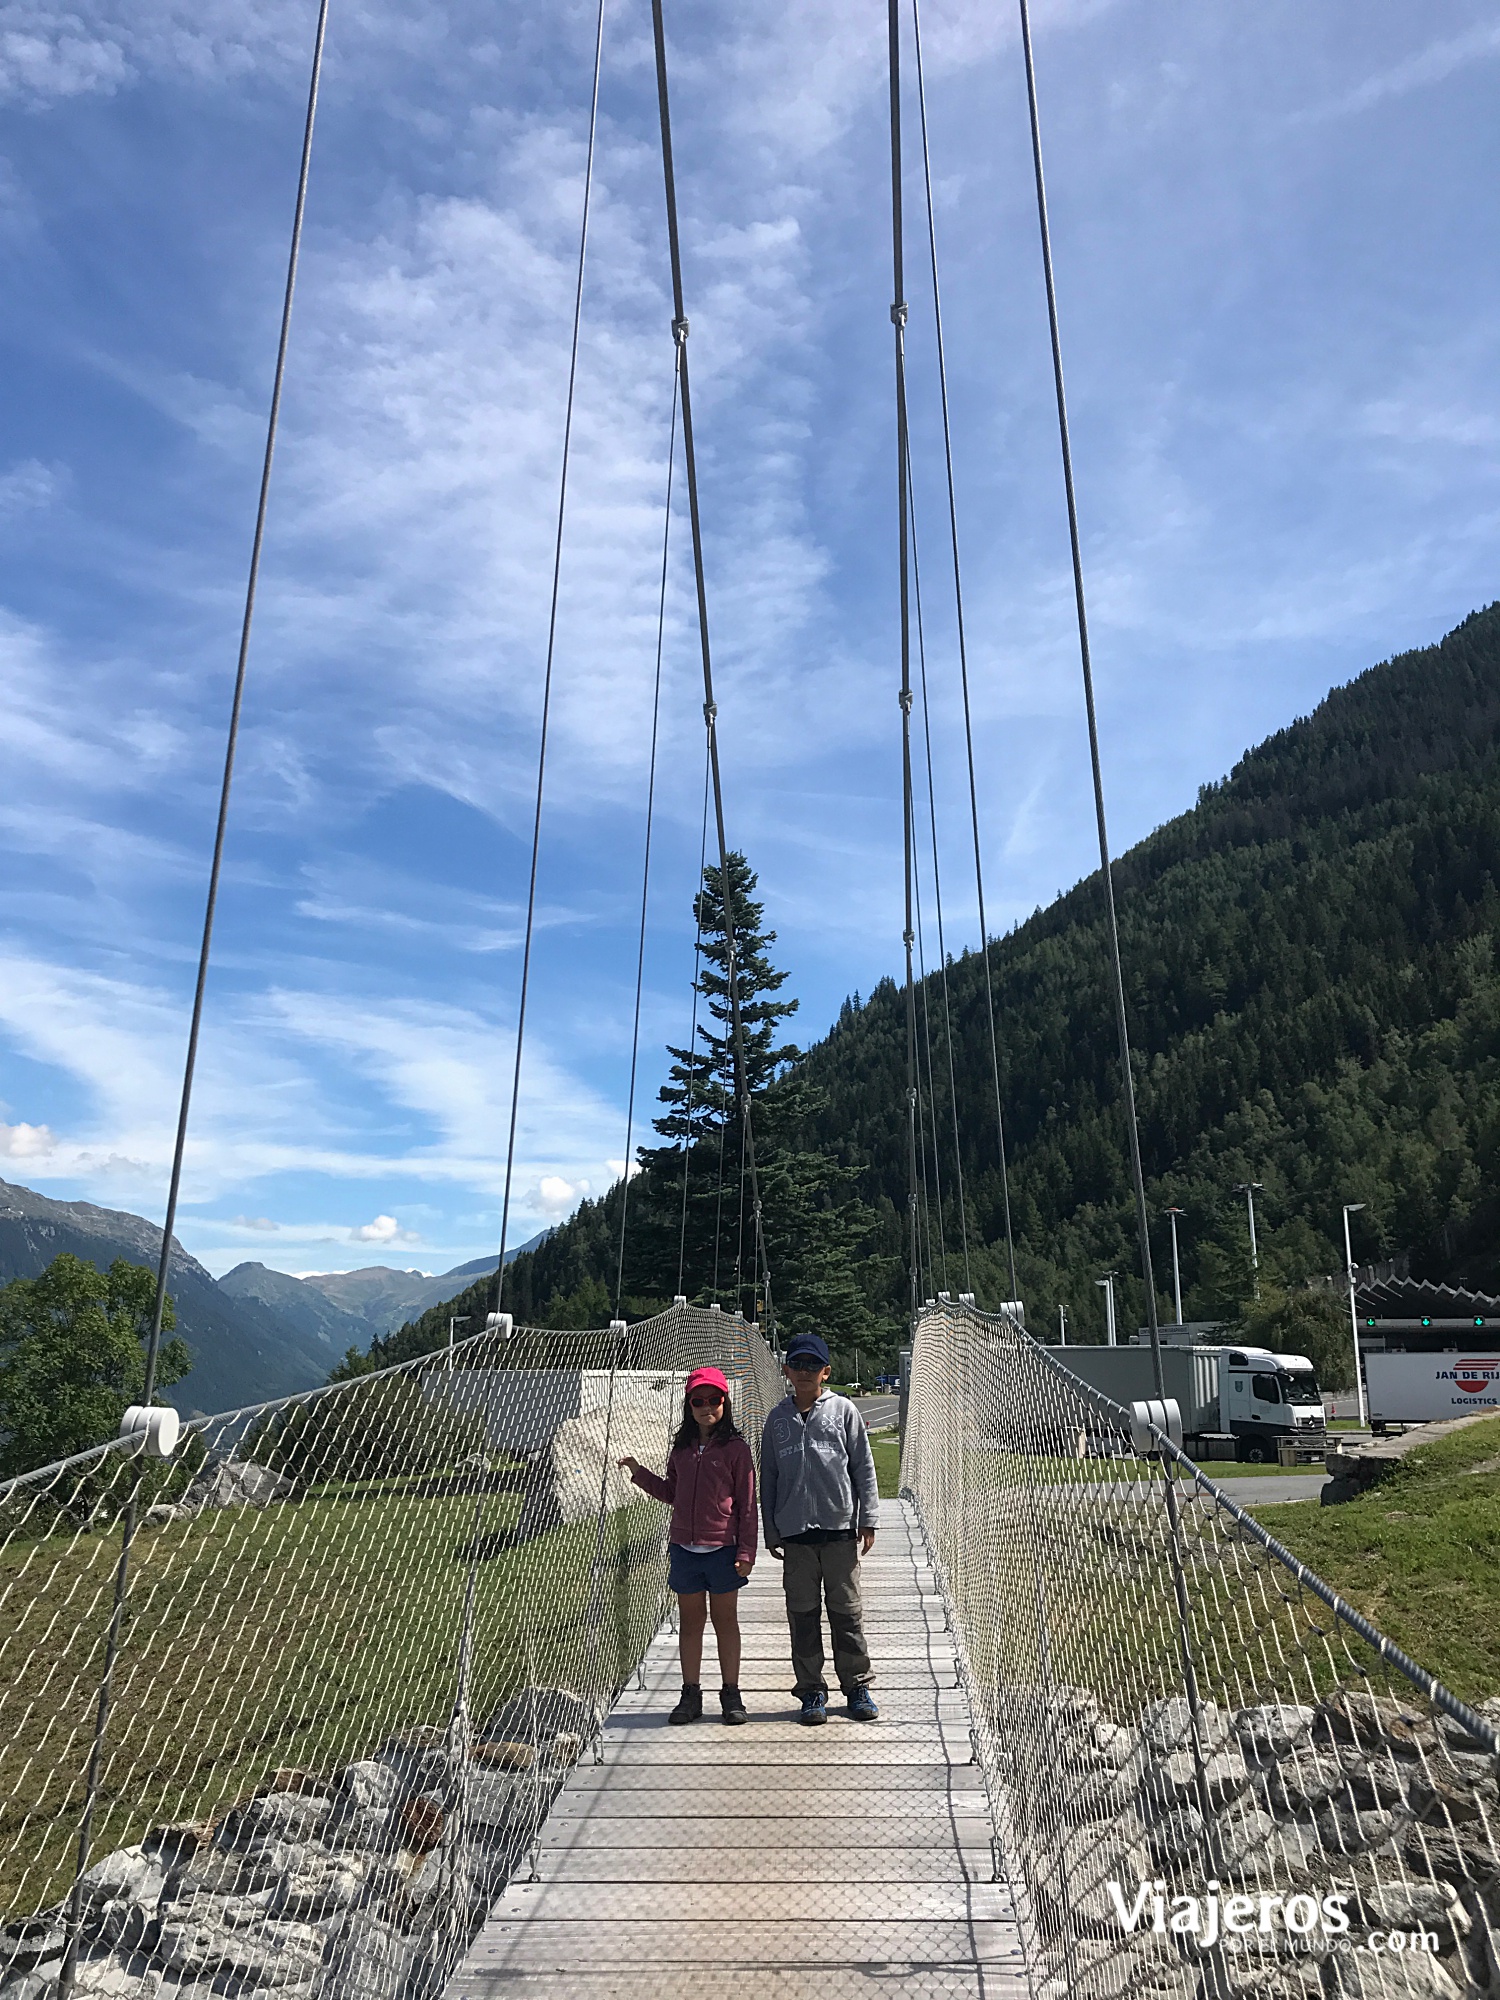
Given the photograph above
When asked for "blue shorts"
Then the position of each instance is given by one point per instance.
(714, 1572)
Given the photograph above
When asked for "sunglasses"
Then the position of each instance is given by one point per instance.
(709, 1402)
(807, 1367)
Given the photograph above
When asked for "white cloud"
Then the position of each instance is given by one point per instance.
(50, 52)
(26, 1142)
(259, 1222)
(28, 486)
(1433, 64)
(384, 1229)
(304, 1083)
(556, 1196)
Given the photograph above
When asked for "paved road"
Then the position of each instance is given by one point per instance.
(1254, 1494)
(878, 1410)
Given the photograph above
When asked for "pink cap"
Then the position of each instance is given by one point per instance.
(707, 1378)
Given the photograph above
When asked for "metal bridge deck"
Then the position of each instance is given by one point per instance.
(772, 1860)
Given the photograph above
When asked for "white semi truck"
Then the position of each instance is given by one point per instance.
(1236, 1402)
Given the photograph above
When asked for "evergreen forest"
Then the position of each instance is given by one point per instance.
(1314, 998)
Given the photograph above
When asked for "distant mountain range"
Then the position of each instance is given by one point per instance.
(352, 1308)
(255, 1333)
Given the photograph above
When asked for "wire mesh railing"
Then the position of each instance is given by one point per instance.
(365, 1632)
(1209, 1774)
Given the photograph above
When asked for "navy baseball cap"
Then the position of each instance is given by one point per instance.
(807, 1347)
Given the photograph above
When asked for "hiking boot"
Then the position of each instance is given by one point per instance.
(689, 1704)
(861, 1705)
(732, 1704)
(814, 1707)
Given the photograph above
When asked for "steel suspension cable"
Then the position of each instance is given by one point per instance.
(68, 1974)
(1122, 1025)
(739, 1242)
(937, 897)
(719, 1202)
(898, 323)
(937, 1248)
(692, 1069)
(963, 660)
(936, 1198)
(640, 954)
(710, 708)
(237, 702)
(541, 756)
(1213, 1859)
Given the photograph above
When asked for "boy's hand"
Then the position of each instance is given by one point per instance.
(743, 1569)
(774, 1549)
(629, 1465)
(866, 1540)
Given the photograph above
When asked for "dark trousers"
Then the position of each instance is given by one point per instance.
(812, 1573)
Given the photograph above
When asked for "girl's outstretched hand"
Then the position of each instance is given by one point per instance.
(628, 1465)
(743, 1569)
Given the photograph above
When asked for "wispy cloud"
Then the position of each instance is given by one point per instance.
(1285, 418)
(1427, 66)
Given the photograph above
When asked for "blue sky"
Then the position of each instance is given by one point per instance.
(1275, 237)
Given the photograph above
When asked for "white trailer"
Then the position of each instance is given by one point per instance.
(1425, 1388)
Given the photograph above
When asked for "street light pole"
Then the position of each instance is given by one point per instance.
(1062, 1324)
(454, 1319)
(1108, 1282)
(1250, 1189)
(1353, 1208)
(1173, 1214)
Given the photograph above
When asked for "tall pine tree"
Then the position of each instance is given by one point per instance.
(700, 1196)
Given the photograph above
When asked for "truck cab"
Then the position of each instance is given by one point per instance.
(1265, 1398)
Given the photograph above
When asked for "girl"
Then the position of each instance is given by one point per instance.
(710, 1487)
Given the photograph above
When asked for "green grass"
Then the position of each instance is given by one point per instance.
(1080, 1471)
(887, 1449)
(301, 1634)
(1420, 1556)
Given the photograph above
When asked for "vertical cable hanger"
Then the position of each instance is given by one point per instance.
(541, 755)
(937, 1241)
(898, 324)
(640, 955)
(692, 1061)
(1122, 1026)
(710, 707)
(73, 1916)
(937, 898)
(1213, 1860)
(963, 659)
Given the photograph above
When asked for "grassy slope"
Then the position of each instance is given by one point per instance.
(1420, 1556)
(295, 1635)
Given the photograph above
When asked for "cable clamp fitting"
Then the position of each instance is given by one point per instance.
(905, 700)
(898, 313)
(679, 331)
(908, 939)
(710, 713)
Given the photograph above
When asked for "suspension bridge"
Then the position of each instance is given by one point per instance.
(358, 1695)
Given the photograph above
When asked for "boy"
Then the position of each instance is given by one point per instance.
(820, 1507)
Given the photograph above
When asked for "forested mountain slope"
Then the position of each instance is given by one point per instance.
(1315, 1006)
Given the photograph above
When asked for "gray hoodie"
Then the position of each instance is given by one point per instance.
(816, 1471)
